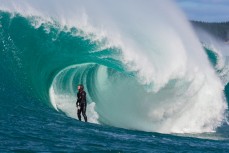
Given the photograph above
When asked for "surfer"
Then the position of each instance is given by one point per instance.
(81, 103)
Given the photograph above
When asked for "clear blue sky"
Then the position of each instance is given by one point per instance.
(206, 10)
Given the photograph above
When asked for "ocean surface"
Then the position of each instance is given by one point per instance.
(154, 82)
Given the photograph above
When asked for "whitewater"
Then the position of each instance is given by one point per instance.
(148, 73)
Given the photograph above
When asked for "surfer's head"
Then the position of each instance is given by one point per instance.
(80, 87)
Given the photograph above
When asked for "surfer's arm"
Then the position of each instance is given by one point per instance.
(78, 98)
(77, 101)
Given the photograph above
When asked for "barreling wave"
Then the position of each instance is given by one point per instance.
(150, 75)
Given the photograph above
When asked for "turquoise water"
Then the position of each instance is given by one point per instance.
(43, 61)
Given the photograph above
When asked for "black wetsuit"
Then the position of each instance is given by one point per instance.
(82, 103)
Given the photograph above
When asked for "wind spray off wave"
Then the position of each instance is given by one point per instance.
(141, 64)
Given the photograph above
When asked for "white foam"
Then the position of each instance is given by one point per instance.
(220, 48)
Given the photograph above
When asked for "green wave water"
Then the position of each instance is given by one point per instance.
(51, 61)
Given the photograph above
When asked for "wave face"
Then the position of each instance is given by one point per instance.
(143, 70)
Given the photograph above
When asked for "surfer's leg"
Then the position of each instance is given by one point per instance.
(84, 112)
(78, 113)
